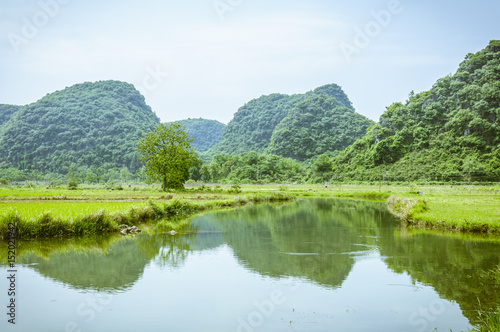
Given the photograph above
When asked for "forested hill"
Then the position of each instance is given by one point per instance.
(89, 125)
(451, 132)
(205, 133)
(6, 112)
(254, 124)
(315, 126)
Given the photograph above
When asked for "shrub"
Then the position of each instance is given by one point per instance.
(157, 211)
(72, 184)
(205, 188)
(235, 189)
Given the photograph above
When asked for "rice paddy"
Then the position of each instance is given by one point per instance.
(65, 209)
(90, 212)
(49, 212)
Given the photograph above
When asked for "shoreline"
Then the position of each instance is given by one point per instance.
(464, 209)
(162, 215)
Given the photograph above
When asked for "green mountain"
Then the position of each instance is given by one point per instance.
(89, 125)
(254, 124)
(205, 133)
(451, 132)
(317, 125)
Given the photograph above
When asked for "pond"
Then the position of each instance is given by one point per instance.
(310, 265)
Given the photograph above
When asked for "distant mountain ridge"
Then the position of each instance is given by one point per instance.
(88, 125)
(205, 133)
(449, 133)
(270, 124)
(97, 125)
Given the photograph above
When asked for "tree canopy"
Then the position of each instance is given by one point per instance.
(167, 154)
(7, 111)
(250, 168)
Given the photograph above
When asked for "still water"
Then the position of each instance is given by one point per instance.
(310, 265)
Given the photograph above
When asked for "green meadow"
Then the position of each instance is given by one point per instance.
(462, 208)
(65, 209)
(38, 213)
(49, 212)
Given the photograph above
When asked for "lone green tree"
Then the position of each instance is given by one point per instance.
(323, 167)
(167, 154)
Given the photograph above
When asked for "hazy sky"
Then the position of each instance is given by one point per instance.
(206, 58)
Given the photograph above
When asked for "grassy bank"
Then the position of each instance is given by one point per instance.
(92, 210)
(464, 213)
(58, 219)
(453, 208)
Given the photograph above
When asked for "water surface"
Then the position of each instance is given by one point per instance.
(311, 265)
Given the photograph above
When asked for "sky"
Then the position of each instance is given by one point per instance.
(207, 58)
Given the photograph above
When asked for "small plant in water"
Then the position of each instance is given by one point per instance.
(489, 321)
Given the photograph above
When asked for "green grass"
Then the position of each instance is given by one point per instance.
(84, 193)
(38, 218)
(461, 211)
(65, 209)
(462, 208)
(489, 321)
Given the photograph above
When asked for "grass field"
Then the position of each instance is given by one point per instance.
(65, 209)
(462, 208)
(475, 209)
(464, 211)
(89, 211)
